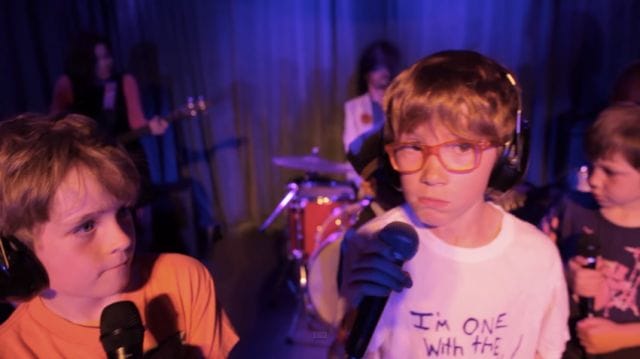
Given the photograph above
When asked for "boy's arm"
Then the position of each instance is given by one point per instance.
(600, 335)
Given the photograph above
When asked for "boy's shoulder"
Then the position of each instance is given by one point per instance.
(172, 265)
(169, 260)
(178, 259)
(18, 330)
(13, 320)
(582, 201)
(578, 209)
(515, 229)
(527, 236)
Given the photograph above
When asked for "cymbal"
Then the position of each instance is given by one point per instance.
(312, 163)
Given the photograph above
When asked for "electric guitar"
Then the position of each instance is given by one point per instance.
(192, 109)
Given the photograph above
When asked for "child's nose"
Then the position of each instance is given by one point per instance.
(595, 178)
(433, 172)
(120, 237)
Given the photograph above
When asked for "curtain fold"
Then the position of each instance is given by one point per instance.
(276, 73)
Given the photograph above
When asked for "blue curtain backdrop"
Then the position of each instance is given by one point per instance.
(277, 72)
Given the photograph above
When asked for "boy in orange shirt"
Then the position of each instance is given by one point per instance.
(65, 209)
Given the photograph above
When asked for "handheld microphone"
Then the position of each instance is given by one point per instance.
(404, 239)
(588, 247)
(121, 331)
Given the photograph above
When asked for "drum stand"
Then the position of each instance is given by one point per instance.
(316, 332)
(293, 192)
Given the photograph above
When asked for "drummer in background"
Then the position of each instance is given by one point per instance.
(380, 183)
(377, 66)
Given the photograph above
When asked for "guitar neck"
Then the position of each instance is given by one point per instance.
(134, 134)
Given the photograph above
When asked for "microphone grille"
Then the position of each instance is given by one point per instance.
(588, 245)
(120, 326)
(402, 237)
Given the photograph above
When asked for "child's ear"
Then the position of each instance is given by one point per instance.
(22, 275)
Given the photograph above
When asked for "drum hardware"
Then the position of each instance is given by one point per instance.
(293, 189)
(312, 163)
(316, 208)
(309, 202)
(323, 263)
(319, 209)
(318, 302)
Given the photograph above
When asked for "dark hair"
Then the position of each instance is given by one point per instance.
(80, 64)
(378, 54)
(627, 85)
(616, 130)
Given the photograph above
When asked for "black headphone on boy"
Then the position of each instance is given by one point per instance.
(510, 166)
(514, 159)
(22, 275)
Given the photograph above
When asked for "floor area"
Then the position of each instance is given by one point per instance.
(255, 282)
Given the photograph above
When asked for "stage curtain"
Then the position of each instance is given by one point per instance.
(277, 72)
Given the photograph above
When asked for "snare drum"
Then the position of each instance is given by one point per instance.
(315, 201)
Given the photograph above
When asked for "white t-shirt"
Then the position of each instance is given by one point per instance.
(506, 299)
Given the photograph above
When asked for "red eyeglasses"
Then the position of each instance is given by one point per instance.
(455, 156)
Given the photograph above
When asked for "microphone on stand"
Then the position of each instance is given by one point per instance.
(121, 331)
(588, 247)
(404, 239)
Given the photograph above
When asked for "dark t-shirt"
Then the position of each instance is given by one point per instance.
(620, 252)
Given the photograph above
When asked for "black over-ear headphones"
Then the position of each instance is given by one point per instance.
(21, 274)
(472, 69)
(514, 159)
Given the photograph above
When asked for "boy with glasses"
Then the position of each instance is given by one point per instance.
(483, 283)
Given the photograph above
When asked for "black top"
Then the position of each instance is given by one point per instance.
(88, 101)
(619, 248)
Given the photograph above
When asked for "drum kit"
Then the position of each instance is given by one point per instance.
(319, 210)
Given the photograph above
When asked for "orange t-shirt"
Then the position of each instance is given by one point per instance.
(176, 301)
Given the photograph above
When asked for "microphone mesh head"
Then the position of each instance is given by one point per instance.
(588, 245)
(402, 237)
(121, 326)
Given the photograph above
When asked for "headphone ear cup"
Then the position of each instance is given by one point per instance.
(22, 275)
(513, 161)
(389, 188)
